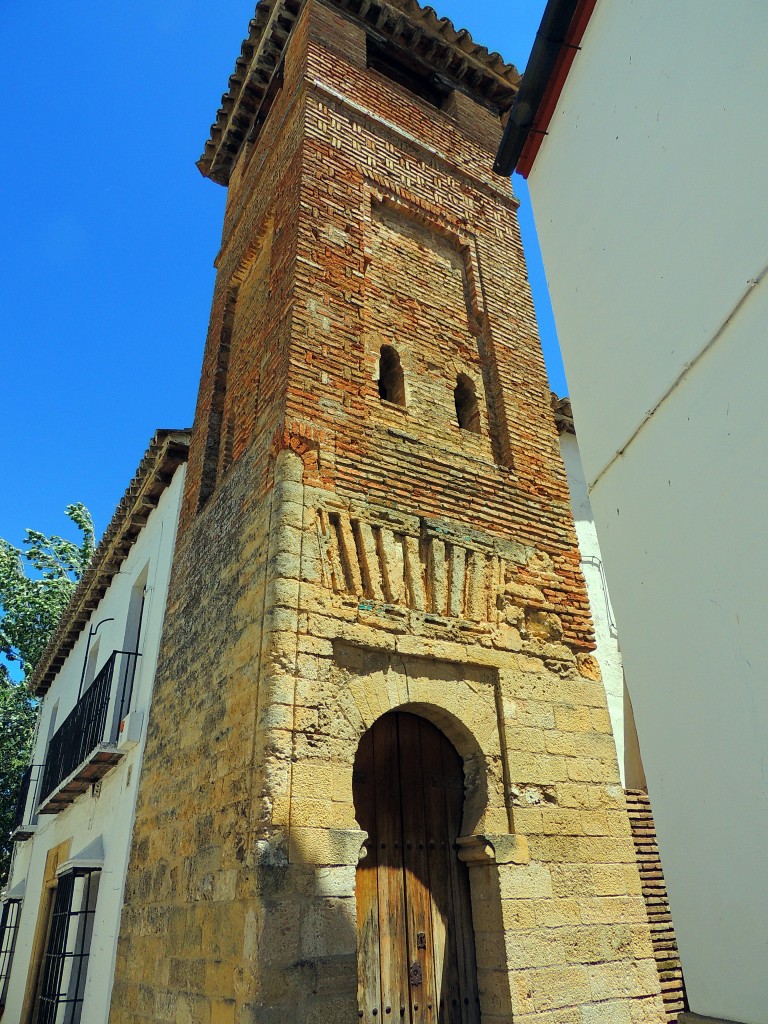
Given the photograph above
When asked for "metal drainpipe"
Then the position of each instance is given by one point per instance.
(91, 634)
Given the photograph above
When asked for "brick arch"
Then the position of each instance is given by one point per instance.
(449, 695)
(469, 749)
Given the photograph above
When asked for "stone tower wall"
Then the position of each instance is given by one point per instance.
(341, 557)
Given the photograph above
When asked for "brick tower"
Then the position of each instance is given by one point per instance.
(379, 782)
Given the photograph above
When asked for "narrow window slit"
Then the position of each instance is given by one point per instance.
(391, 379)
(386, 582)
(227, 445)
(345, 582)
(467, 408)
(212, 457)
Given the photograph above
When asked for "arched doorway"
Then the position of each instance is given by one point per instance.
(416, 948)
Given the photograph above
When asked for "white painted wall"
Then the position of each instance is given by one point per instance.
(607, 651)
(650, 200)
(111, 814)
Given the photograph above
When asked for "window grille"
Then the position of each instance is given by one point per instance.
(65, 966)
(9, 926)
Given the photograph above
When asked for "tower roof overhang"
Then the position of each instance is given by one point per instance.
(450, 55)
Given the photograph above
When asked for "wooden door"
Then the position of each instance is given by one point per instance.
(416, 948)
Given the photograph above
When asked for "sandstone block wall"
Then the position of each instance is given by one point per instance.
(342, 556)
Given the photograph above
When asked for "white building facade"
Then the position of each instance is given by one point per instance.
(608, 654)
(62, 904)
(607, 650)
(643, 146)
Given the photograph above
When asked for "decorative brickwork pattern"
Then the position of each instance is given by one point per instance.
(429, 566)
(657, 903)
(343, 555)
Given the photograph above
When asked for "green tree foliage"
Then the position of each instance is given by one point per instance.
(17, 719)
(35, 585)
(31, 605)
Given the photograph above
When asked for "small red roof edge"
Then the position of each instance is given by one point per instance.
(557, 80)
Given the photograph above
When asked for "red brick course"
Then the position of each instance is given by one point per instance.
(363, 217)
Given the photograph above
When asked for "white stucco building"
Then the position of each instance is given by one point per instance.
(61, 907)
(607, 651)
(640, 132)
(608, 654)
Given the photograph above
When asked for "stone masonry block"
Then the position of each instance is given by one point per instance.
(557, 987)
(621, 979)
(529, 881)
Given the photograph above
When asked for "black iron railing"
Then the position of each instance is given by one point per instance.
(90, 724)
(30, 780)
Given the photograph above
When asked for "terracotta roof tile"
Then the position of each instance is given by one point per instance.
(561, 407)
(261, 53)
(167, 450)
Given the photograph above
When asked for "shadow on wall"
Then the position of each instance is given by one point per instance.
(416, 949)
(304, 958)
(378, 924)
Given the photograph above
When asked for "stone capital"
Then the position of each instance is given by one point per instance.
(494, 849)
(332, 847)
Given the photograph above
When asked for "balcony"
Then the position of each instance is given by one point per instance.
(84, 748)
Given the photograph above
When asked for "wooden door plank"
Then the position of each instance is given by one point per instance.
(366, 887)
(453, 773)
(392, 944)
(418, 902)
(409, 797)
(439, 852)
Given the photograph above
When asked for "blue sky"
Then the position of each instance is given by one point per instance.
(109, 232)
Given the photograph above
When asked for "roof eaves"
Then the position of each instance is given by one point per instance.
(241, 114)
(563, 413)
(167, 450)
(557, 42)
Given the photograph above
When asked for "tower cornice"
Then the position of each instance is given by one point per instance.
(449, 56)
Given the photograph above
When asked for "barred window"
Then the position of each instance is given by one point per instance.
(9, 926)
(65, 965)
